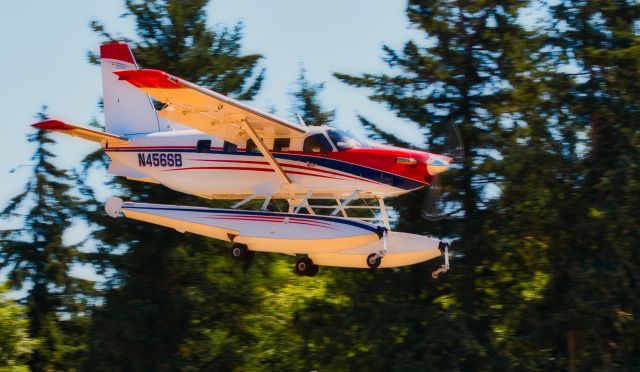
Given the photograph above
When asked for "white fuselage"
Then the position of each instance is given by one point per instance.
(176, 160)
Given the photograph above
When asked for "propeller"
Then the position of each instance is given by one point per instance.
(435, 203)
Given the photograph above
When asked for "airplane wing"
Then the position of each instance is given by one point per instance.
(211, 112)
(206, 110)
(86, 133)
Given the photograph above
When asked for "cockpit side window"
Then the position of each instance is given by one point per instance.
(317, 143)
(345, 140)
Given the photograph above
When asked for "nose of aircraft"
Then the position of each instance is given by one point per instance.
(438, 164)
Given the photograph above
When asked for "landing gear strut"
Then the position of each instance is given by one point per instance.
(444, 249)
(305, 267)
(241, 253)
(374, 259)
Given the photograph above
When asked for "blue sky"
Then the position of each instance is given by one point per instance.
(45, 45)
(44, 62)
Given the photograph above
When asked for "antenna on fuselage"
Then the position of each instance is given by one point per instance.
(302, 123)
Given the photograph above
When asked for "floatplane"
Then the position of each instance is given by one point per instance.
(206, 144)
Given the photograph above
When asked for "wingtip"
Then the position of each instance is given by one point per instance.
(52, 125)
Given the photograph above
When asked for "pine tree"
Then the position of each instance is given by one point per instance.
(175, 301)
(533, 206)
(39, 262)
(583, 320)
(15, 344)
(174, 37)
(461, 72)
(567, 282)
(306, 103)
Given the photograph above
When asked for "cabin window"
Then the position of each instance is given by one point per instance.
(281, 144)
(203, 146)
(229, 147)
(345, 140)
(251, 146)
(317, 143)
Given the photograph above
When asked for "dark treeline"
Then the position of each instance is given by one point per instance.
(544, 214)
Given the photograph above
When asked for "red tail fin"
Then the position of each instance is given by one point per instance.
(127, 110)
(117, 51)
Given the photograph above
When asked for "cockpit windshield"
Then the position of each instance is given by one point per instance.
(345, 140)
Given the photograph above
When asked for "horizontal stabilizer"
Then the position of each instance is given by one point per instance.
(86, 133)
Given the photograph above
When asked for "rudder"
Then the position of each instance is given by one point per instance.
(127, 110)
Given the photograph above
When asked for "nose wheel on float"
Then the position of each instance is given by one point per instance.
(305, 267)
(444, 249)
(374, 259)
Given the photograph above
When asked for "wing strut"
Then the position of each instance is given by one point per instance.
(343, 204)
(265, 151)
(383, 212)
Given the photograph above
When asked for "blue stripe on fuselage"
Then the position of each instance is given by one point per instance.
(357, 170)
(339, 165)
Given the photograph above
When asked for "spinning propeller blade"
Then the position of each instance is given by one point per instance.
(435, 203)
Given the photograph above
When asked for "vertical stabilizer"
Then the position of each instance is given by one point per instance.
(127, 110)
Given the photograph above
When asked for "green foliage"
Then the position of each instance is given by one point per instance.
(174, 301)
(547, 272)
(380, 135)
(461, 72)
(15, 344)
(545, 268)
(458, 74)
(306, 102)
(593, 283)
(39, 262)
(174, 37)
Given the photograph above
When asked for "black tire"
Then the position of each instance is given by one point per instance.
(241, 253)
(373, 261)
(314, 270)
(303, 266)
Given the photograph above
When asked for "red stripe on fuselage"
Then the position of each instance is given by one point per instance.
(287, 165)
(379, 159)
(251, 169)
